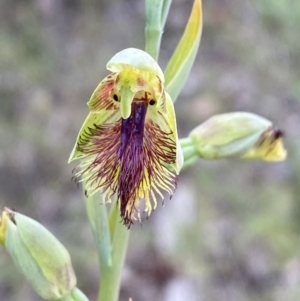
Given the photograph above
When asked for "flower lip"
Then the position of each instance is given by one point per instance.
(131, 167)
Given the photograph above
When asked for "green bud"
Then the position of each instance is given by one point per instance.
(238, 135)
(40, 257)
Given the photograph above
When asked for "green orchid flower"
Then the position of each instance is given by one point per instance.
(128, 144)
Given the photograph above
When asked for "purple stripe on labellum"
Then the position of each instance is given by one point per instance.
(131, 155)
(134, 125)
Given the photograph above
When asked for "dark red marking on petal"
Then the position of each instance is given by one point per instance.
(141, 81)
(101, 99)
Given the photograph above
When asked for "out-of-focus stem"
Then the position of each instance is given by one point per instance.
(184, 142)
(165, 11)
(97, 214)
(189, 151)
(111, 275)
(153, 28)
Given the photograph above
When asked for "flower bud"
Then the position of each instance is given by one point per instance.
(238, 135)
(40, 257)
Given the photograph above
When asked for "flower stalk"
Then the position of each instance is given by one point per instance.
(97, 215)
(111, 238)
(154, 25)
(111, 274)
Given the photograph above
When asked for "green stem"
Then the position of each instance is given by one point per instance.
(187, 141)
(189, 152)
(97, 214)
(190, 162)
(111, 275)
(165, 11)
(153, 28)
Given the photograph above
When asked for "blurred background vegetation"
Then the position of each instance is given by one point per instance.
(231, 231)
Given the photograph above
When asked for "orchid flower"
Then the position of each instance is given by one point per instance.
(128, 143)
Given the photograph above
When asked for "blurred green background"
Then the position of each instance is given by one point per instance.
(231, 231)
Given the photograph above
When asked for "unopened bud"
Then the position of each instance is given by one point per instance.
(238, 135)
(41, 258)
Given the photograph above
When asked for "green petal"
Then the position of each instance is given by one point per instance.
(166, 119)
(92, 119)
(171, 118)
(183, 58)
(103, 109)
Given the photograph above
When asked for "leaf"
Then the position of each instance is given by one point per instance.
(184, 55)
